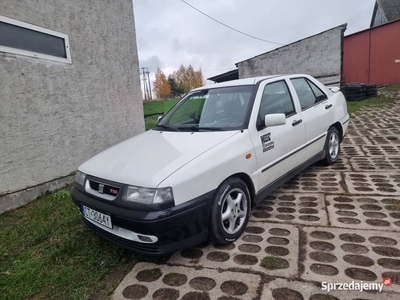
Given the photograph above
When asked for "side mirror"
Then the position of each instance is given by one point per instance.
(159, 119)
(275, 120)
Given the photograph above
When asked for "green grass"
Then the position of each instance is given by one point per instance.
(150, 122)
(269, 262)
(392, 87)
(159, 107)
(392, 138)
(47, 253)
(394, 207)
(381, 261)
(153, 108)
(194, 106)
(156, 109)
(379, 101)
(168, 104)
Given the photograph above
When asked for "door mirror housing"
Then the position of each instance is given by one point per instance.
(275, 120)
(159, 118)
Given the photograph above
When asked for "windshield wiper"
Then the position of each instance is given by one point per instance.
(167, 127)
(210, 128)
(197, 128)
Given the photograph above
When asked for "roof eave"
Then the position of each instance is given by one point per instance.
(344, 26)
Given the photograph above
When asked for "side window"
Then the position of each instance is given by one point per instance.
(304, 92)
(317, 92)
(307, 92)
(276, 99)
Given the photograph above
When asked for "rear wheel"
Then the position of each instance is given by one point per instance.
(230, 211)
(332, 146)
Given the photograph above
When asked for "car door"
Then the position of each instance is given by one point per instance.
(278, 148)
(317, 113)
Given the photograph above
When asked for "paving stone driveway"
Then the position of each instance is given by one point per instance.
(334, 224)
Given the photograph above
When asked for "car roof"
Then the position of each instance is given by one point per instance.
(247, 81)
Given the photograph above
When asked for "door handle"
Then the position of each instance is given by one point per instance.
(296, 122)
(328, 106)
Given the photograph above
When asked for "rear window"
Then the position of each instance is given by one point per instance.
(307, 92)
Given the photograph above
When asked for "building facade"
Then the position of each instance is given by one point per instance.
(373, 55)
(385, 11)
(69, 89)
(319, 55)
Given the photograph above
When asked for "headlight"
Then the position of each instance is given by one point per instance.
(80, 177)
(147, 195)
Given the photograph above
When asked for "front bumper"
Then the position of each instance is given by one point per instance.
(176, 228)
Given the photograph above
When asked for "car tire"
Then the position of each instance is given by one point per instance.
(230, 211)
(332, 146)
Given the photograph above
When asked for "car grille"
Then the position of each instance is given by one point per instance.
(104, 188)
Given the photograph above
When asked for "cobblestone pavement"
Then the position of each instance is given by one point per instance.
(329, 224)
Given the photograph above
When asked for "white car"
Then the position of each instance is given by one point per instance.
(214, 156)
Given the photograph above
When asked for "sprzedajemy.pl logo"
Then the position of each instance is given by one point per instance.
(356, 286)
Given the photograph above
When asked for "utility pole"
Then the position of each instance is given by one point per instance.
(148, 77)
(144, 85)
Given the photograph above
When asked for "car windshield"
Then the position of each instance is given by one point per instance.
(209, 110)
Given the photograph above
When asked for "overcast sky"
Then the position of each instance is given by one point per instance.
(170, 33)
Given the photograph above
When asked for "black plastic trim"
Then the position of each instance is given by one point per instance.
(295, 123)
(176, 228)
(289, 155)
(251, 104)
(346, 121)
(148, 249)
(264, 192)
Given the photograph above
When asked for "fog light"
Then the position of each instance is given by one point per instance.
(145, 239)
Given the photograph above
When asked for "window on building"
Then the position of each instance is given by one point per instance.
(25, 39)
(307, 92)
(276, 99)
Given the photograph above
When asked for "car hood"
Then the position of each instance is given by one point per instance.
(147, 159)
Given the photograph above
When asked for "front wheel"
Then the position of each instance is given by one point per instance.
(332, 146)
(230, 211)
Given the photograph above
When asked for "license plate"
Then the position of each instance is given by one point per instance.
(96, 216)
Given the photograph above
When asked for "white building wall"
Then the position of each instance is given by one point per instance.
(54, 116)
(319, 55)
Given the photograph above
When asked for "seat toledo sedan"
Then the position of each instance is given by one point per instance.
(214, 156)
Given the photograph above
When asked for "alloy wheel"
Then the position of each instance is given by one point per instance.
(234, 211)
(333, 145)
